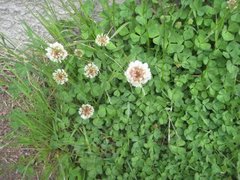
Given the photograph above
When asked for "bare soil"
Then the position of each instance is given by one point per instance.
(9, 155)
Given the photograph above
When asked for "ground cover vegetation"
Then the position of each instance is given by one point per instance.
(148, 91)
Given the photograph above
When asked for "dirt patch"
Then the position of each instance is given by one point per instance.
(8, 155)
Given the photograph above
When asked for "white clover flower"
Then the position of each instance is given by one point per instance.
(138, 73)
(86, 111)
(60, 76)
(102, 40)
(56, 52)
(232, 4)
(91, 70)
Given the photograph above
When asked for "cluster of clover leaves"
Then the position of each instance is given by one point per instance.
(186, 123)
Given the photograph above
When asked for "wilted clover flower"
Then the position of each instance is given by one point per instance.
(190, 21)
(178, 24)
(91, 70)
(86, 111)
(232, 4)
(138, 73)
(56, 52)
(78, 53)
(165, 18)
(60, 76)
(102, 40)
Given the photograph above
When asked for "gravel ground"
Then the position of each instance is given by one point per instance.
(14, 12)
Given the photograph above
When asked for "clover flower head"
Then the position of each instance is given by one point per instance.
(232, 4)
(86, 111)
(102, 40)
(60, 76)
(78, 52)
(56, 52)
(138, 73)
(91, 70)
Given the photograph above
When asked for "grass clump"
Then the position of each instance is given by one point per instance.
(151, 91)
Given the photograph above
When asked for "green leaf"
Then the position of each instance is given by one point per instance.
(227, 36)
(141, 20)
(177, 150)
(188, 34)
(140, 10)
(236, 17)
(72, 110)
(153, 28)
(176, 96)
(124, 31)
(97, 90)
(180, 142)
(111, 46)
(102, 111)
(223, 96)
(120, 29)
(233, 27)
(111, 111)
(157, 40)
(232, 68)
(172, 48)
(98, 122)
(134, 37)
(139, 29)
(205, 46)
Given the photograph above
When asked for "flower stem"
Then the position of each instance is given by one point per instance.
(144, 93)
